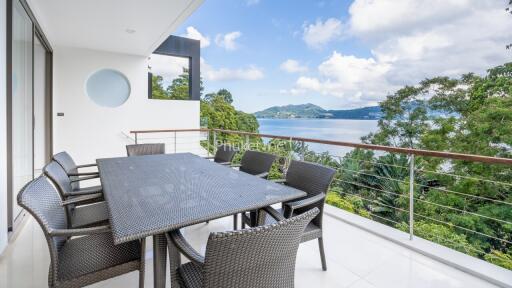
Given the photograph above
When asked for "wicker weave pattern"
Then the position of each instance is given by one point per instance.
(76, 262)
(60, 178)
(93, 214)
(145, 149)
(313, 179)
(260, 257)
(153, 194)
(69, 166)
(255, 162)
(225, 154)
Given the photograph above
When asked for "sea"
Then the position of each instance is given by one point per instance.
(324, 129)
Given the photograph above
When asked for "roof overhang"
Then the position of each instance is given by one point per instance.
(123, 26)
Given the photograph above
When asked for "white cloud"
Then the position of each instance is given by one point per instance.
(293, 66)
(250, 73)
(168, 67)
(228, 41)
(320, 33)
(193, 33)
(252, 2)
(411, 40)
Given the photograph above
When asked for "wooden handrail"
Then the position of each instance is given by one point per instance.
(408, 151)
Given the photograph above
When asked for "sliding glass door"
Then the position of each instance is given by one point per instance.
(21, 101)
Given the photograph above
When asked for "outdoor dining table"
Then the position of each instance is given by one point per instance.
(154, 194)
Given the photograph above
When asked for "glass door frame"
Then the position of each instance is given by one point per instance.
(36, 32)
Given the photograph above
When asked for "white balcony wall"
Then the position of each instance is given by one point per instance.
(89, 131)
(3, 128)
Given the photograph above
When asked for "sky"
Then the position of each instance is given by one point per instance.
(342, 54)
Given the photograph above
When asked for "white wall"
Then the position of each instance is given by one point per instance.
(3, 129)
(88, 131)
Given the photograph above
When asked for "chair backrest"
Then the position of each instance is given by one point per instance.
(255, 258)
(311, 178)
(59, 177)
(69, 165)
(41, 200)
(145, 149)
(225, 153)
(65, 160)
(255, 162)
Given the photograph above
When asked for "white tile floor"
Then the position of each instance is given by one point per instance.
(355, 259)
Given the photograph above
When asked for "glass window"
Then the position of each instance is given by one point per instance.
(169, 77)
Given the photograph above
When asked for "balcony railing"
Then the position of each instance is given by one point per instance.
(412, 190)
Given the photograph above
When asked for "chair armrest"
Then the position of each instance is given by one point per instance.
(291, 206)
(224, 163)
(80, 199)
(184, 247)
(80, 231)
(85, 191)
(280, 181)
(235, 165)
(87, 165)
(85, 178)
(84, 174)
(273, 213)
(262, 175)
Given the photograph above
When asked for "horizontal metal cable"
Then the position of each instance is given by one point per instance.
(385, 205)
(463, 211)
(375, 162)
(464, 194)
(465, 177)
(382, 177)
(380, 190)
(463, 228)
(384, 218)
(433, 188)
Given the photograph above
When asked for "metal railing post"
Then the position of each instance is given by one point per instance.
(136, 140)
(302, 150)
(247, 144)
(175, 140)
(214, 142)
(208, 143)
(290, 154)
(411, 196)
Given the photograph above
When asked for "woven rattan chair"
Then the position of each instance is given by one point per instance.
(78, 261)
(64, 184)
(314, 179)
(224, 154)
(145, 149)
(85, 207)
(260, 257)
(255, 163)
(69, 165)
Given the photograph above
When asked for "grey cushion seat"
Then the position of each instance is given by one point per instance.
(89, 215)
(191, 275)
(105, 255)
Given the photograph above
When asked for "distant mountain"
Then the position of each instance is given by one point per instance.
(313, 111)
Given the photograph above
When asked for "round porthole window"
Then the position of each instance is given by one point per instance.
(108, 88)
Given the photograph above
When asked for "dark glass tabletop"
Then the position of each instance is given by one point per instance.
(148, 195)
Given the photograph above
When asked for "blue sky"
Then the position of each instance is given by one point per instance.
(341, 54)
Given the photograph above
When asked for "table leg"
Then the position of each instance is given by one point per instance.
(175, 262)
(159, 260)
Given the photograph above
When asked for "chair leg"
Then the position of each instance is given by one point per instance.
(235, 222)
(143, 263)
(322, 253)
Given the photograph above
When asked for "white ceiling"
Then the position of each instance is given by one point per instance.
(103, 24)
